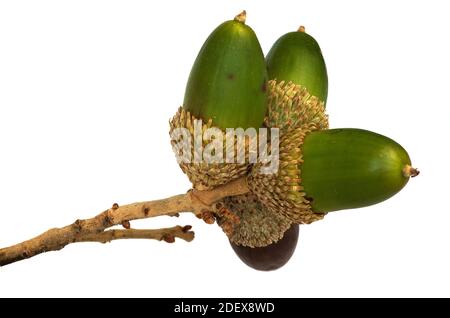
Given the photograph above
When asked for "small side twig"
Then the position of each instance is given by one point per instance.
(165, 234)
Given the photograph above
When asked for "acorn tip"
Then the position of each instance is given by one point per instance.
(409, 171)
(241, 17)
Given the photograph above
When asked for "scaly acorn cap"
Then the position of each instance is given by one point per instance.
(282, 192)
(204, 175)
(257, 226)
(291, 106)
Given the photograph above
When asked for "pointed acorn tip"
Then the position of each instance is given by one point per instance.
(409, 171)
(241, 17)
(301, 28)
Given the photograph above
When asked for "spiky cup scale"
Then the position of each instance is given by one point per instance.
(291, 106)
(256, 226)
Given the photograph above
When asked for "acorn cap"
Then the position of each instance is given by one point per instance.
(257, 226)
(291, 106)
(282, 193)
(203, 175)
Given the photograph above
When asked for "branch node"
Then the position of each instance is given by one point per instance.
(77, 226)
(107, 219)
(195, 198)
(126, 224)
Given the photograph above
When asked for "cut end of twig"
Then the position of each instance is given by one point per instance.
(183, 232)
(241, 17)
(409, 171)
(301, 29)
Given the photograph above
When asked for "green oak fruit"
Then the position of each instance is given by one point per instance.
(330, 170)
(228, 80)
(296, 57)
(352, 168)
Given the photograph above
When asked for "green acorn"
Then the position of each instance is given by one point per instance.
(298, 83)
(227, 88)
(296, 57)
(330, 170)
(228, 80)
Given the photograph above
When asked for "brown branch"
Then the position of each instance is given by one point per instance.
(94, 228)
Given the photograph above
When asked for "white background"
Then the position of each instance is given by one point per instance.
(86, 91)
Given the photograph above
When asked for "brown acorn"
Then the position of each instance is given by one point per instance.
(270, 257)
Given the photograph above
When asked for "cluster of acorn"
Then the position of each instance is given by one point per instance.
(320, 170)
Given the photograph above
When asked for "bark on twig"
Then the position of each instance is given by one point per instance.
(166, 234)
(93, 229)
